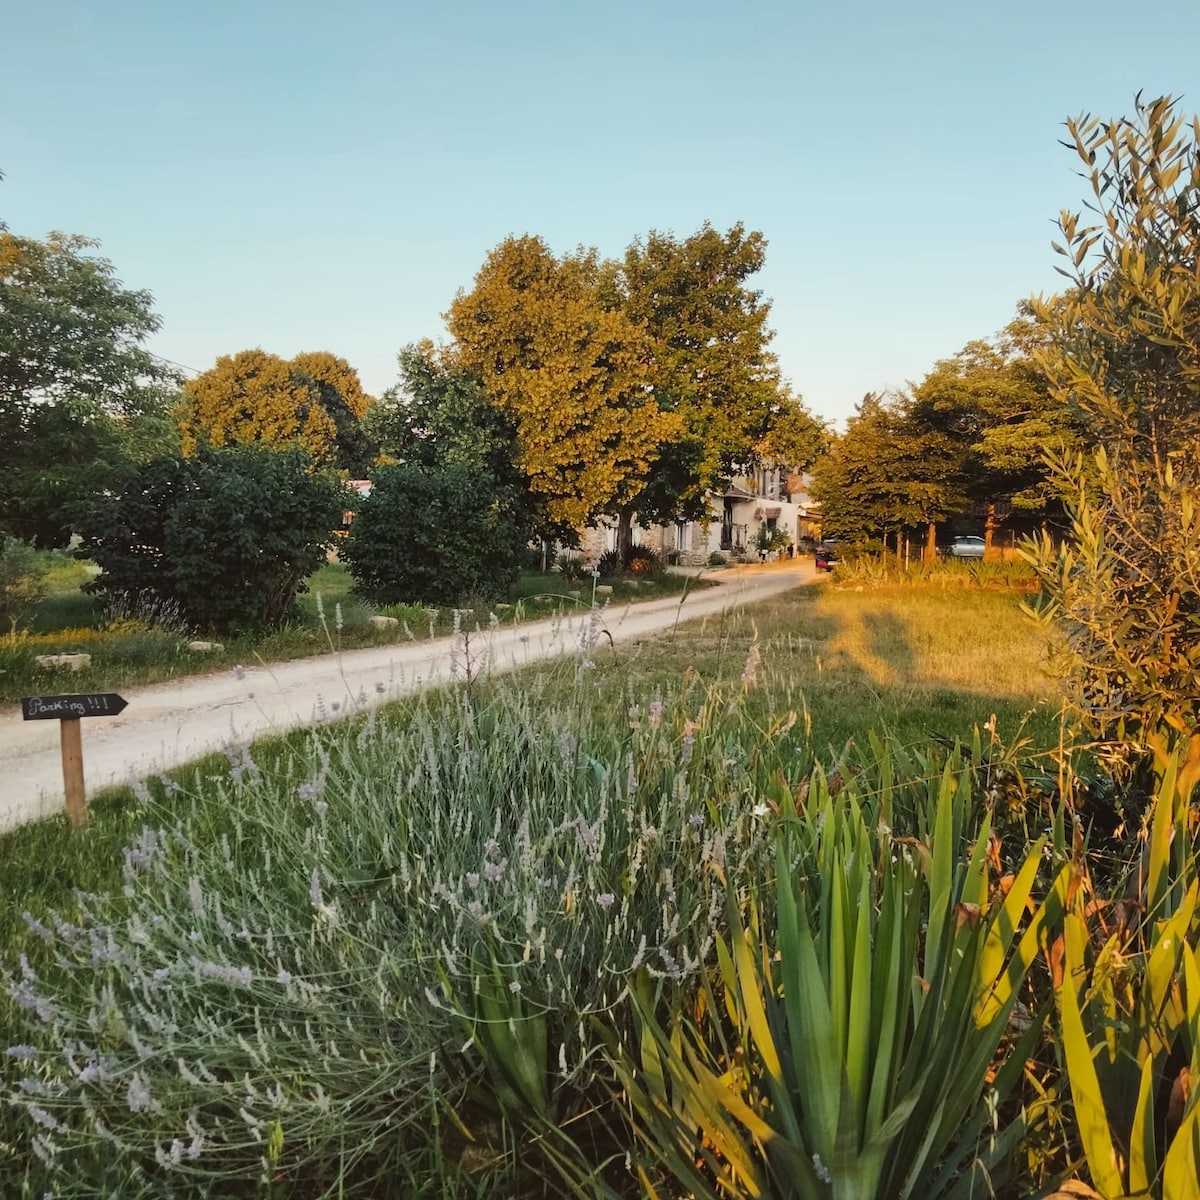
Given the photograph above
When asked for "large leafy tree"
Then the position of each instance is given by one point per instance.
(991, 406)
(886, 474)
(711, 362)
(81, 399)
(314, 401)
(1123, 593)
(229, 534)
(438, 416)
(555, 353)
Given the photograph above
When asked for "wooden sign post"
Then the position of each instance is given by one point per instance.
(68, 711)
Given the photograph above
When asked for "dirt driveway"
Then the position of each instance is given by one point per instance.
(168, 724)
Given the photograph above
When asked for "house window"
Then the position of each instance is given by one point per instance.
(683, 535)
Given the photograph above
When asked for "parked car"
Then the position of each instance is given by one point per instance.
(826, 556)
(968, 546)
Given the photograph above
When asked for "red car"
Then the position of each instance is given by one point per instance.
(826, 557)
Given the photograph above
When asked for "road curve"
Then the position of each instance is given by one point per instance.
(168, 724)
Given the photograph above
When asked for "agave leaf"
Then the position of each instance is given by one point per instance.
(1162, 832)
(1090, 1111)
(810, 1024)
(1181, 1167)
(859, 1047)
(997, 984)
(940, 875)
(1158, 1015)
(1143, 1162)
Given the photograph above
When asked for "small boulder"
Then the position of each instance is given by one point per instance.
(205, 647)
(383, 622)
(72, 662)
(604, 589)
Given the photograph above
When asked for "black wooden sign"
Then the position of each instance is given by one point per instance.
(66, 708)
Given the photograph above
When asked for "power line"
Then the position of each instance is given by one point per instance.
(173, 363)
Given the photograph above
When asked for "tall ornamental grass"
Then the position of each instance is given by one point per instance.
(307, 957)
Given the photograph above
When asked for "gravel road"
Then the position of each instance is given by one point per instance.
(168, 724)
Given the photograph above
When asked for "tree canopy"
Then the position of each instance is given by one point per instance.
(569, 368)
(991, 409)
(711, 363)
(886, 473)
(81, 400)
(438, 416)
(314, 401)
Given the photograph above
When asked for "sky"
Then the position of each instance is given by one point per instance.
(326, 174)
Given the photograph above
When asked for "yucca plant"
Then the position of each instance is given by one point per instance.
(848, 1045)
(1130, 1014)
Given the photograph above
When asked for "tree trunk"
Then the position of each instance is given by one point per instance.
(989, 530)
(930, 554)
(624, 533)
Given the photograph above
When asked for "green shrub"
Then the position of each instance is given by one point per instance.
(229, 536)
(609, 564)
(717, 559)
(432, 536)
(571, 567)
(22, 581)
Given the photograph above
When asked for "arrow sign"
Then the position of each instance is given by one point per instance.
(67, 711)
(58, 708)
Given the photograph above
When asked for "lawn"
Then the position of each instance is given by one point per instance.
(305, 935)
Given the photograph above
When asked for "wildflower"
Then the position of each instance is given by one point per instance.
(314, 889)
(310, 789)
(283, 977)
(36, 927)
(320, 808)
(494, 871)
(751, 668)
(239, 672)
(821, 1169)
(606, 900)
(137, 1095)
(380, 686)
(473, 878)
(760, 810)
(22, 1053)
(514, 987)
(656, 710)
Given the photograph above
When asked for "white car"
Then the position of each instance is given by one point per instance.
(969, 546)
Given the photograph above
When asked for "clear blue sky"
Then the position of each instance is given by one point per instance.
(324, 174)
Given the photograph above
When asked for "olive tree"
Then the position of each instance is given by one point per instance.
(1122, 594)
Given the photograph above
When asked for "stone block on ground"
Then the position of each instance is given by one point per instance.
(70, 662)
(205, 647)
(383, 622)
